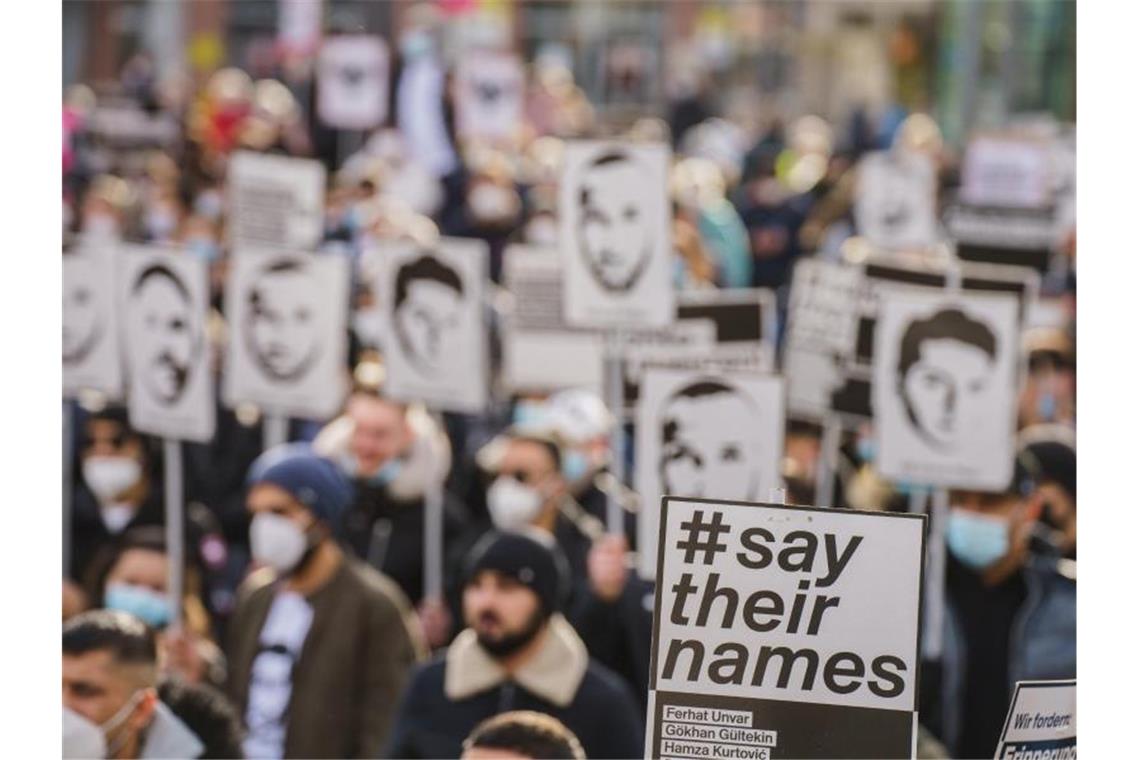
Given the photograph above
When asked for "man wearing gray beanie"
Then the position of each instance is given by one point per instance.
(320, 644)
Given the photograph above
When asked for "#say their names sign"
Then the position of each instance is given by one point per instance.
(944, 388)
(1042, 722)
(615, 235)
(784, 632)
(90, 320)
(352, 82)
(435, 344)
(715, 435)
(275, 201)
(164, 297)
(288, 342)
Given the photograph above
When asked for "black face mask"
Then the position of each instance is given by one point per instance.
(513, 642)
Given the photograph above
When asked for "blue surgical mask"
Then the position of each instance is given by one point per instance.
(865, 448)
(574, 465)
(978, 541)
(203, 248)
(1046, 406)
(417, 43)
(679, 273)
(388, 472)
(146, 604)
(527, 413)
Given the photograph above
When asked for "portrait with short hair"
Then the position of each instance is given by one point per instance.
(90, 339)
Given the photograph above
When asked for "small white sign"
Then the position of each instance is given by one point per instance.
(352, 82)
(91, 358)
(716, 435)
(895, 200)
(164, 298)
(944, 388)
(1042, 722)
(615, 235)
(490, 90)
(435, 339)
(287, 316)
(1007, 172)
(275, 201)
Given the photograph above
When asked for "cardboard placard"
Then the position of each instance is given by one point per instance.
(1041, 723)
(352, 82)
(895, 206)
(490, 89)
(615, 235)
(435, 338)
(1007, 172)
(275, 201)
(288, 344)
(785, 632)
(164, 297)
(91, 358)
(944, 389)
(704, 435)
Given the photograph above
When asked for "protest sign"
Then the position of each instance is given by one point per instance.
(895, 200)
(944, 388)
(163, 300)
(490, 88)
(704, 435)
(435, 341)
(1007, 171)
(616, 242)
(275, 201)
(1014, 237)
(784, 632)
(299, 26)
(91, 359)
(540, 351)
(352, 82)
(1041, 723)
(287, 315)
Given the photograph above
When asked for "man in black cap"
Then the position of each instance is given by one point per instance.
(517, 653)
(320, 644)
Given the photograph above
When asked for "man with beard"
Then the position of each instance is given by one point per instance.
(615, 235)
(517, 653)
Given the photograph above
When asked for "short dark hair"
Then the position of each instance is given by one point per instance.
(528, 733)
(426, 267)
(946, 324)
(280, 266)
(699, 389)
(608, 157)
(551, 446)
(160, 270)
(128, 639)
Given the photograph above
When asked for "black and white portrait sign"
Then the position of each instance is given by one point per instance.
(287, 316)
(90, 321)
(717, 436)
(164, 297)
(943, 389)
(615, 235)
(352, 82)
(895, 200)
(275, 201)
(784, 632)
(490, 89)
(435, 341)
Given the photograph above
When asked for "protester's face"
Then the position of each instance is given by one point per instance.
(428, 319)
(140, 567)
(531, 464)
(96, 687)
(81, 323)
(616, 234)
(108, 438)
(379, 432)
(165, 341)
(714, 450)
(268, 498)
(946, 388)
(496, 606)
(283, 324)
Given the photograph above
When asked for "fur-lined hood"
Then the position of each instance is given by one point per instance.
(427, 460)
(554, 673)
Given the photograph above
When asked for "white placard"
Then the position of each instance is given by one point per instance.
(1008, 172)
(91, 358)
(704, 435)
(489, 96)
(275, 201)
(1041, 723)
(435, 339)
(895, 200)
(352, 82)
(944, 388)
(772, 622)
(163, 301)
(299, 25)
(615, 235)
(287, 316)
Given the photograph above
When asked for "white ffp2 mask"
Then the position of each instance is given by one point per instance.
(108, 477)
(512, 505)
(276, 541)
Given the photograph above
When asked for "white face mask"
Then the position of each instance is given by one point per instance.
(542, 231)
(81, 737)
(277, 541)
(108, 477)
(116, 517)
(511, 504)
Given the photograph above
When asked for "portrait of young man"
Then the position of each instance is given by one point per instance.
(166, 337)
(427, 311)
(282, 327)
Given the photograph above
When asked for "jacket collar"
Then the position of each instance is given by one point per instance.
(554, 673)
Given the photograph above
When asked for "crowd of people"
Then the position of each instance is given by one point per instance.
(306, 627)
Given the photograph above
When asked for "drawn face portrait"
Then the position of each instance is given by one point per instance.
(945, 375)
(890, 199)
(82, 322)
(164, 340)
(428, 309)
(492, 95)
(710, 443)
(282, 326)
(615, 235)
